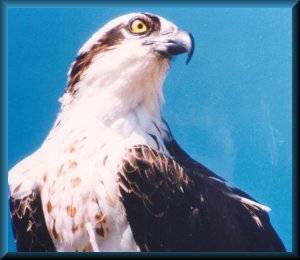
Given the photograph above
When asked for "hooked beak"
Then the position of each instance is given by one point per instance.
(177, 43)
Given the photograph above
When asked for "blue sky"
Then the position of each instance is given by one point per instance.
(230, 108)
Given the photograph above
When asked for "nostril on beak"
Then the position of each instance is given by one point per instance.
(166, 33)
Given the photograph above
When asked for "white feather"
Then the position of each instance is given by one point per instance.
(249, 202)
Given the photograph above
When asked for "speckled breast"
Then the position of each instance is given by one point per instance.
(81, 203)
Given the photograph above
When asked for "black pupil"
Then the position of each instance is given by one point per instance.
(140, 25)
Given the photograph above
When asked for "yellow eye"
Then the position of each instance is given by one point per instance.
(138, 26)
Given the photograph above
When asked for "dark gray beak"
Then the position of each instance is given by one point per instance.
(177, 43)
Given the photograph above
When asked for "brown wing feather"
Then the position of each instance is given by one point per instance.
(169, 208)
(29, 227)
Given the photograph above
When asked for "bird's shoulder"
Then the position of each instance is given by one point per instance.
(174, 203)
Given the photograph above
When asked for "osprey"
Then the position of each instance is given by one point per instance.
(111, 177)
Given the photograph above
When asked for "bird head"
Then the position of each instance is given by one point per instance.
(125, 63)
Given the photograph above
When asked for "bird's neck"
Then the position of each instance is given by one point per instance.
(108, 94)
(142, 124)
(107, 108)
(123, 107)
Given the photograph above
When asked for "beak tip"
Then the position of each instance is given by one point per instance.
(188, 60)
(191, 49)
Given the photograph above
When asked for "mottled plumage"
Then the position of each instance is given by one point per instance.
(110, 176)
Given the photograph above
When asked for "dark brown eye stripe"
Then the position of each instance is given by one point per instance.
(107, 42)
